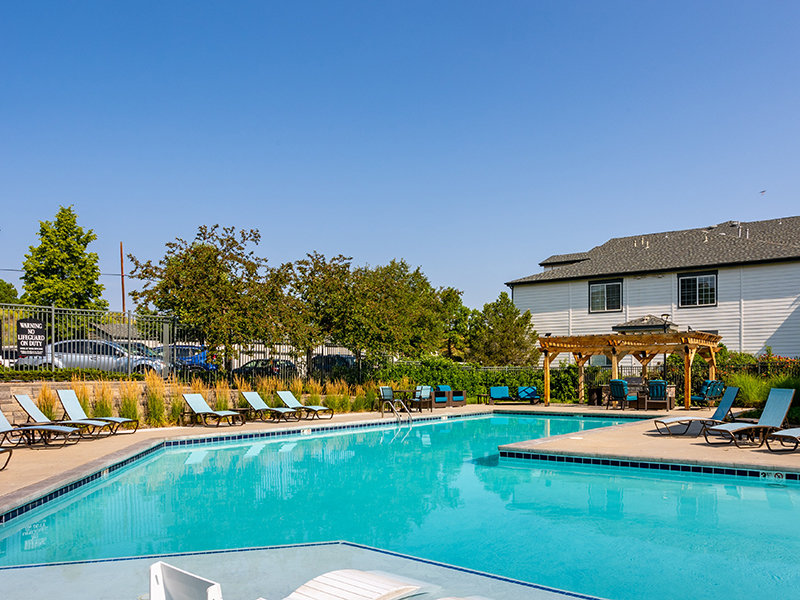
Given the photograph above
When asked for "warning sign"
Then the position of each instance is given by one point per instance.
(31, 337)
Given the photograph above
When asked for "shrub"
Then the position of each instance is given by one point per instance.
(176, 402)
(104, 403)
(266, 388)
(81, 389)
(242, 384)
(314, 387)
(155, 390)
(753, 390)
(62, 375)
(296, 387)
(46, 400)
(222, 395)
(130, 393)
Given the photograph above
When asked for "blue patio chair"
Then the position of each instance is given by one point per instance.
(528, 393)
(32, 434)
(87, 428)
(444, 393)
(499, 392)
(620, 395)
(74, 410)
(710, 391)
(722, 414)
(772, 418)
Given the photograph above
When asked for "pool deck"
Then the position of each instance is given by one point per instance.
(33, 473)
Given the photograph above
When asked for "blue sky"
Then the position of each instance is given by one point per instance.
(473, 139)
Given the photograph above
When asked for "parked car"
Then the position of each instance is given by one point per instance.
(91, 354)
(326, 364)
(267, 367)
(8, 356)
(191, 357)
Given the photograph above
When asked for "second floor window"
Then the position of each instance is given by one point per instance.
(697, 289)
(605, 296)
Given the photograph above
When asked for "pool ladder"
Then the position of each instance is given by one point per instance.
(391, 405)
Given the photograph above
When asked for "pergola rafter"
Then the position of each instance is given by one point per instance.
(643, 347)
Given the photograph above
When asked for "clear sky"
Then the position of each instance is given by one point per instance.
(473, 139)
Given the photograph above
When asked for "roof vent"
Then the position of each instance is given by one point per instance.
(734, 223)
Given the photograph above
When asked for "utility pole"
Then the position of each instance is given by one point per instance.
(122, 276)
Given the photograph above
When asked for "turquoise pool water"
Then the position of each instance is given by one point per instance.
(438, 491)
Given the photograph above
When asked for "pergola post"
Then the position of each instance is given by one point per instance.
(712, 365)
(546, 377)
(580, 360)
(688, 357)
(614, 364)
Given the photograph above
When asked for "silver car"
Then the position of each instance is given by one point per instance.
(92, 354)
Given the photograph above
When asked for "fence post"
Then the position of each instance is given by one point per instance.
(52, 339)
(165, 334)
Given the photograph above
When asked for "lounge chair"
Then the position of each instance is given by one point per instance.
(352, 584)
(722, 414)
(311, 411)
(31, 434)
(75, 412)
(789, 440)
(201, 411)
(171, 583)
(424, 398)
(262, 410)
(528, 393)
(7, 452)
(620, 395)
(87, 428)
(772, 418)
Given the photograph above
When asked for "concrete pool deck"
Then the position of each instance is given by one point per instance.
(33, 473)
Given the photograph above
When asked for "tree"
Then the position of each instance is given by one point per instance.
(8, 293)
(60, 271)
(456, 323)
(500, 335)
(217, 284)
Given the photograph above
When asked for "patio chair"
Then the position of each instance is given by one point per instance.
(201, 411)
(86, 428)
(32, 434)
(457, 397)
(262, 410)
(171, 583)
(8, 452)
(75, 412)
(310, 411)
(620, 395)
(347, 584)
(772, 418)
(722, 414)
(528, 393)
(710, 390)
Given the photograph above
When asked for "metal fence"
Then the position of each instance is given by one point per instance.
(48, 338)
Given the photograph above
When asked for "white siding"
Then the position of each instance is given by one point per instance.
(757, 306)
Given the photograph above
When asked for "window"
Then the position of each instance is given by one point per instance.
(697, 289)
(605, 296)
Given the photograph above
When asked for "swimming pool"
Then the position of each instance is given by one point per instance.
(438, 491)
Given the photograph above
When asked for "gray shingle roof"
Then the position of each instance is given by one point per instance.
(727, 243)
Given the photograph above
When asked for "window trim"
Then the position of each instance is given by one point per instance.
(695, 274)
(605, 282)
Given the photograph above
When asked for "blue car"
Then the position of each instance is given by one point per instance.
(190, 357)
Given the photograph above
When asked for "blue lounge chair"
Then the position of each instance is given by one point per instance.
(620, 395)
(201, 411)
(32, 434)
(772, 418)
(37, 417)
(262, 410)
(528, 393)
(722, 414)
(310, 411)
(75, 412)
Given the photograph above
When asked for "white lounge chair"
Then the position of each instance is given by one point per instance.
(352, 584)
(171, 583)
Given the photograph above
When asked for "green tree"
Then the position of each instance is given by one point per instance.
(8, 293)
(392, 310)
(217, 284)
(60, 271)
(501, 335)
(455, 322)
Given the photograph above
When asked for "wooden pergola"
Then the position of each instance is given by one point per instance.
(643, 347)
